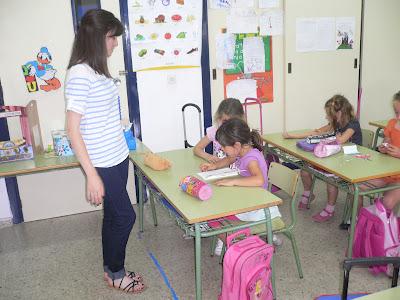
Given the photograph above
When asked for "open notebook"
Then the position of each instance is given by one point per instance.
(218, 174)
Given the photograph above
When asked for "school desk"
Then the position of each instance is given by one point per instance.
(40, 163)
(380, 126)
(194, 213)
(389, 294)
(350, 171)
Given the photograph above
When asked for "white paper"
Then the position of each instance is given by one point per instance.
(242, 89)
(253, 55)
(225, 48)
(163, 36)
(242, 21)
(325, 39)
(271, 23)
(315, 34)
(268, 3)
(352, 149)
(345, 29)
(218, 174)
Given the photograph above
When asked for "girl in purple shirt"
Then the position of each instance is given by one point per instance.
(243, 148)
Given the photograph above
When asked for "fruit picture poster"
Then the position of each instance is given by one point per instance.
(165, 33)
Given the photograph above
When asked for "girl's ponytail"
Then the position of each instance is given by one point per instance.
(236, 130)
(256, 140)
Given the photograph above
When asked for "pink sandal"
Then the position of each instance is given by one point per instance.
(304, 206)
(320, 219)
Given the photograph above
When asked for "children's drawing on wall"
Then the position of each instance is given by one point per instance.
(247, 79)
(345, 28)
(39, 74)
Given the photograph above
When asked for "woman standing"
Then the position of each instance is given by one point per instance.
(97, 138)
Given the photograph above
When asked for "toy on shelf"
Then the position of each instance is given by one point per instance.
(61, 143)
(31, 141)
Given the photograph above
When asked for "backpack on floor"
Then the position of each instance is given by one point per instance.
(247, 268)
(377, 234)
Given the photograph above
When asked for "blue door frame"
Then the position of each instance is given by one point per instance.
(11, 182)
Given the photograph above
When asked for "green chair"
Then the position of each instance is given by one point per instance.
(287, 180)
(367, 138)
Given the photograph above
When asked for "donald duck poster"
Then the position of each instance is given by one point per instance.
(39, 74)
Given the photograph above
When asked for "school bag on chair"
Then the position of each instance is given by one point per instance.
(377, 234)
(247, 268)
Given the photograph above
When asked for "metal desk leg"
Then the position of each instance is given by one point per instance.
(377, 132)
(197, 253)
(353, 221)
(153, 207)
(270, 241)
(140, 183)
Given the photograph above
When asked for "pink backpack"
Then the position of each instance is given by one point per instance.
(247, 269)
(377, 234)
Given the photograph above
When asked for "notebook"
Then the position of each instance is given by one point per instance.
(218, 174)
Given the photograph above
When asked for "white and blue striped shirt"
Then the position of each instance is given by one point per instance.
(95, 97)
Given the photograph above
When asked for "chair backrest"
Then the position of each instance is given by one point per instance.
(284, 178)
(367, 138)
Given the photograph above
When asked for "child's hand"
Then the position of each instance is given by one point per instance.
(393, 150)
(212, 158)
(383, 148)
(207, 167)
(225, 182)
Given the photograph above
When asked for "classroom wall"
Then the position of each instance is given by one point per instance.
(21, 42)
(318, 75)
(272, 112)
(5, 211)
(381, 63)
(380, 77)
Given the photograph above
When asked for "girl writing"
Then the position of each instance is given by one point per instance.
(227, 109)
(243, 147)
(342, 121)
(96, 135)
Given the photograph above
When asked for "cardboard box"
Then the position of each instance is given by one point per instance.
(30, 143)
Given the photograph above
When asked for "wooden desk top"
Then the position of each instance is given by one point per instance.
(225, 200)
(347, 167)
(39, 164)
(379, 124)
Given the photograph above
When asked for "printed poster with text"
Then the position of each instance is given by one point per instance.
(165, 33)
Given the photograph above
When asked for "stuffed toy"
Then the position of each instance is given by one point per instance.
(156, 162)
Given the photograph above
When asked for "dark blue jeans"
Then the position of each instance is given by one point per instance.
(118, 218)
